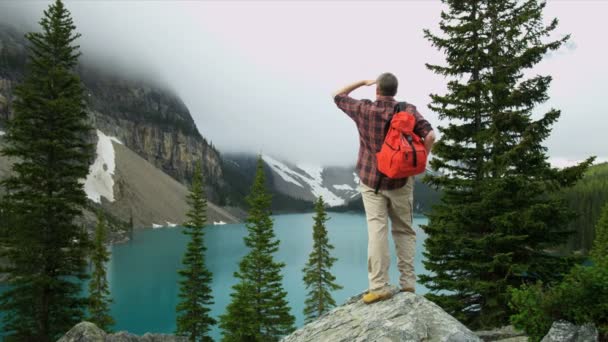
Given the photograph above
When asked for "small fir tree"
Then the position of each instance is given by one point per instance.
(317, 274)
(259, 310)
(48, 138)
(193, 311)
(99, 292)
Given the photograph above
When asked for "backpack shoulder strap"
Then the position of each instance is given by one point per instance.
(400, 106)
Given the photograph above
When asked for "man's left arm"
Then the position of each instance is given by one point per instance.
(429, 140)
(423, 129)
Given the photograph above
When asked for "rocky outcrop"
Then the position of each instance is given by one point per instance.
(563, 331)
(89, 332)
(404, 317)
(504, 334)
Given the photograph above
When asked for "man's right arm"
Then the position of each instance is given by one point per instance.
(349, 88)
(347, 104)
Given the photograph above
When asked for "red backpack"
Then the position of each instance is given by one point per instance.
(403, 153)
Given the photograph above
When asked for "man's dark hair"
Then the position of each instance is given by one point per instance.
(387, 84)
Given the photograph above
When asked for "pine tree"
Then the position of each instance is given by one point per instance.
(99, 292)
(259, 310)
(47, 138)
(600, 242)
(499, 214)
(317, 275)
(193, 319)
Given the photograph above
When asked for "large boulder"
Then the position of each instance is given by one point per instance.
(404, 317)
(562, 331)
(89, 332)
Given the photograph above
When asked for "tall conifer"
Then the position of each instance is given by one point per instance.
(498, 218)
(47, 138)
(317, 274)
(259, 310)
(193, 318)
(99, 292)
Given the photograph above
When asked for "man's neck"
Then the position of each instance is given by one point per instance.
(385, 97)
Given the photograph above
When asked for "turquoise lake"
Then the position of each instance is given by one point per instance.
(143, 272)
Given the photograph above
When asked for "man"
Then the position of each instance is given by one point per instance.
(394, 198)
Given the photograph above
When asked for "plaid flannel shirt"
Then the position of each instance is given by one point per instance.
(371, 118)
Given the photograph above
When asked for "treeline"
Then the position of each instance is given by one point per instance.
(587, 198)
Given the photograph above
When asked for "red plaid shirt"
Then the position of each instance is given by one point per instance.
(371, 118)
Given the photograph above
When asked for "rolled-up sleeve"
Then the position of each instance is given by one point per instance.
(350, 106)
(422, 127)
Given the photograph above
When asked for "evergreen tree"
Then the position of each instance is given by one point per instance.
(499, 215)
(47, 138)
(193, 319)
(259, 310)
(317, 275)
(99, 292)
(600, 243)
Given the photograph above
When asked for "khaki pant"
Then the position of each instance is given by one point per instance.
(398, 205)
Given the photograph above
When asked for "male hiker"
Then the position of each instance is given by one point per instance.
(394, 198)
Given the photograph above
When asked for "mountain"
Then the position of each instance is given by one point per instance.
(294, 184)
(146, 134)
(130, 186)
(148, 119)
(239, 171)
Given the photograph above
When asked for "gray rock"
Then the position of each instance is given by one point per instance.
(84, 332)
(89, 332)
(563, 331)
(506, 333)
(404, 317)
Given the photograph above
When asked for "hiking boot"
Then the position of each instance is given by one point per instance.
(376, 296)
(407, 289)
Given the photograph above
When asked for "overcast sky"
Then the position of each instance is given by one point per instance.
(258, 76)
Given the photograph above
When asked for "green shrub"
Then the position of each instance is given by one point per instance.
(529, 302)
(582, 296)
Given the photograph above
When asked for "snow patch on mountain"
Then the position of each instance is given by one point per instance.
(281, 170)
(315, 181)
(313, 171)
(2, 133)
(343, 187)
(357, 180)
(99, 182)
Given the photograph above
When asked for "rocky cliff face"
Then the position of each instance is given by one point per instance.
(151, 121)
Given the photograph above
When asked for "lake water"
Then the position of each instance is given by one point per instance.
(143, 273)
(143, 277)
